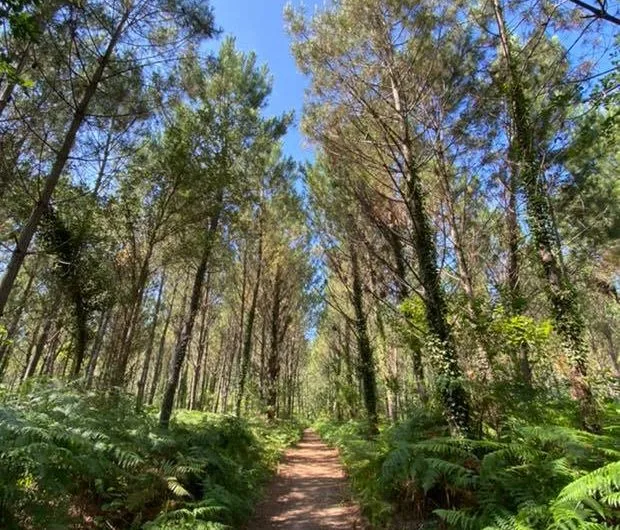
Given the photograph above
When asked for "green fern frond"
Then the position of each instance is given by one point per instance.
(600, 482)
(461, 519)
(176, 487)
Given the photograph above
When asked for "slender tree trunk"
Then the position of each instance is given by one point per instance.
(81, 335)
(464, 270)
(38, 352)
(452, 392)
(151, 341)
(182, 392)
(249, 329)
(97, 346)
(54, 345)
(349, 373)
(30, 349)
(29, 229)
(513, 237)
(194, 401)
(14, 325)
(517, 302)
(204, 388)
(107, 149)
(366, 356)
(273, 361)
(162, 346)
(390, 379)
(608, 333)
(188, 326)
(216, 382)
(133, 319)
(263, 361)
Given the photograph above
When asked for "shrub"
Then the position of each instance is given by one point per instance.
(90, 460)
(531, 477)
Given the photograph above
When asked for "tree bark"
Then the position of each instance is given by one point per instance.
(97, 346)
(366, 364)
(14, 325)
(453, 395)
(194, 400)
(560, 291)
(249, 329)
(133, 319)
(151, 341)
(162, 346)
(277, 333)
(515, 296)
(188, 326)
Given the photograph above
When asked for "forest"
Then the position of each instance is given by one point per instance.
(435, 292)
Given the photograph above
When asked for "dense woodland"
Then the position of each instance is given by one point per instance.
(436, 292)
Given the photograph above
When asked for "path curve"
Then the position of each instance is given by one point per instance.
(310, 492)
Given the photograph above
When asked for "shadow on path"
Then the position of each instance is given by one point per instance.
(310, 492)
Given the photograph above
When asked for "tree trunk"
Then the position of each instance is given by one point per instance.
(249, 330)
(453, 394)
(517, 302)
(262, 383)
(33, 342)
(273, 360)
(366, 364)
(133, 319)
(38, 352)
(450, 384)
(194, 401)
(81, 335)
(97, 346)
(151, 341)
(162, 346)
(14, 325)
(204, 387)
(188, 326)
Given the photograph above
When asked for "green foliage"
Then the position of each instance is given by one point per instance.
(67, 454)
(3, 335)
(19, 21)
(533, 477)
(516, 331)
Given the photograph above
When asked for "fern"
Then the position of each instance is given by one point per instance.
(61, 448)
(531, 478)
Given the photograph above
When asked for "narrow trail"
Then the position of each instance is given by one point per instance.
(310, 492)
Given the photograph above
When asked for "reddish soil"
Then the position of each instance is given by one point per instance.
(310, 492)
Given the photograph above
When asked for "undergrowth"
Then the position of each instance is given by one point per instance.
(74, 459)
(546, 476)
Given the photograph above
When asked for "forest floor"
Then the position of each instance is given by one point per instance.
(310, 492)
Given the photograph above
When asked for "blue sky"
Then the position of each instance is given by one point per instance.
(258, 26)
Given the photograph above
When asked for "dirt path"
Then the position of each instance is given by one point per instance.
(310, 492)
